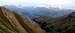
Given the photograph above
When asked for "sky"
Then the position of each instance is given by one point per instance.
(66, 4)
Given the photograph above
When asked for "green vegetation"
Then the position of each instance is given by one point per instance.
(56, 24)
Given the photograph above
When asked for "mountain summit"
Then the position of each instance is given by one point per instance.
(11, 22)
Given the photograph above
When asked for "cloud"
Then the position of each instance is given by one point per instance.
(46, 3)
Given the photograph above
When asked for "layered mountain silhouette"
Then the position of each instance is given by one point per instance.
(33, 12)
(12, 22)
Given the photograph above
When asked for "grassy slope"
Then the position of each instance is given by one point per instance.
(14, 23)
(58, 25)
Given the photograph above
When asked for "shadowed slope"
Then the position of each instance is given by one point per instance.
(63, 24)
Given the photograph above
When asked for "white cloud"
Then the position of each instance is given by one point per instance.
(53, 3)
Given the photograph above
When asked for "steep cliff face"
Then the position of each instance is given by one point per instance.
(11, 22)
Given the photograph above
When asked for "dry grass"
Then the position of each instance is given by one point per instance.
(14, 23)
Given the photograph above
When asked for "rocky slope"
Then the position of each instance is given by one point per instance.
(71, 17)
(11, 22)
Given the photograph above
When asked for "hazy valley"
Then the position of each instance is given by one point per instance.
(36, 20)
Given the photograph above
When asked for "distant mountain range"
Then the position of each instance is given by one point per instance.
(41, 11)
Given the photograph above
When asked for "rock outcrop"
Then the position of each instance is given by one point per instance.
(71, 17)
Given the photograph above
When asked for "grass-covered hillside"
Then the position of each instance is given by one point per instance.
(62, 24)
(11, 22)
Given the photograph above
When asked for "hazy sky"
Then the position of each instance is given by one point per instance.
(42, 3)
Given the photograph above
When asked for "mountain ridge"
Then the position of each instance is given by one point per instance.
(12, 22)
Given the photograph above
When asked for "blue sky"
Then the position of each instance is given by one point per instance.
(67, 4)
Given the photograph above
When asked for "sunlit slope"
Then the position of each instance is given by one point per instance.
(11, 22)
